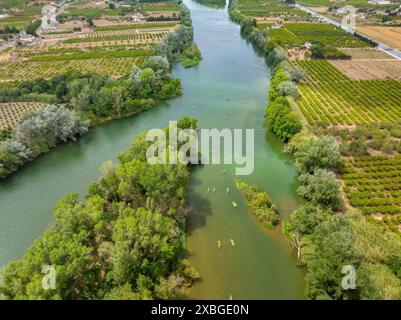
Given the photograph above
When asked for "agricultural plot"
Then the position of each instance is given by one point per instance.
(368, 64)
(366, 53)
(161, 7)
(108, 50)
(373, 185)
(115, 67)
(329, 98)
(369, 69)
(295, 34)
(12, 112)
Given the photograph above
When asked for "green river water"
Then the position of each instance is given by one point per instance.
(227, 90)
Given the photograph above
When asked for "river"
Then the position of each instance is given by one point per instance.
(227, 90)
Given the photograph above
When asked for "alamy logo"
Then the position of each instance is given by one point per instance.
(49, 14)
(183, 147)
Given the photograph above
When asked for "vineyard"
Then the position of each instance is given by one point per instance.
(135, 26)
(373, 185)
(369, 69)
(121, 36)
(329, 98)
(115, 67)
(295, 34)
(256, 8)
(12, 112)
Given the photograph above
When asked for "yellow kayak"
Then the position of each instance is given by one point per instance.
(232, 242)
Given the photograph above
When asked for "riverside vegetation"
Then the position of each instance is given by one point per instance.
(325, 234)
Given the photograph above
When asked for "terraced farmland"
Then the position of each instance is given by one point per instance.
(329, 98)
(373, 185)
(12, 112)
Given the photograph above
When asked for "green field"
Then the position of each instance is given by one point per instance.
(27, 70)
(373, 185)
(294, 34)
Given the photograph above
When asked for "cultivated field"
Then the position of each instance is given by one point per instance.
(115, 67)
(296, 34)
(366, 53)
(369, 69)
(12, 112)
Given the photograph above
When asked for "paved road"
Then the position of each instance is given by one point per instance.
(388, 49)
